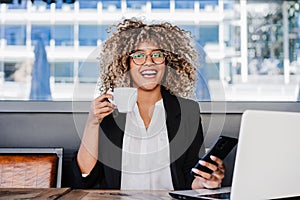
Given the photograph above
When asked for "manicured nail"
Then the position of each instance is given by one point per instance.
(213, 157)
(201, 162)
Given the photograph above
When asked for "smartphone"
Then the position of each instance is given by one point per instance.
(220, 149)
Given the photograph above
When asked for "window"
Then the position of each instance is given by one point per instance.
(15, 34)
(180, 4)
(63, 72)
(63, 35)
(266, 68)
(208, 5)
(135, 4)
(87, 4)
(88, 35)
(208, 34)
(160, 4)
(111, 5)
(43, 32)
(88, 72)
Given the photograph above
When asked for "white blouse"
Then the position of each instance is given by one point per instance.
(145, 152)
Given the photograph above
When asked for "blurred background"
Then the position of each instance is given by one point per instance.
(48, 48)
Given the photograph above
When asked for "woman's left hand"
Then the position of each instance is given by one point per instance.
(206, 180)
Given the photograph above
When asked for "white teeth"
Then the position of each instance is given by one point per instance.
(149, 72)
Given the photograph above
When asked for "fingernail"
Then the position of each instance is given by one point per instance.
(109, 91)
(201, 162)
(213, 157)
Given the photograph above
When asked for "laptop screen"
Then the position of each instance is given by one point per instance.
(267, 160)
(267, 164)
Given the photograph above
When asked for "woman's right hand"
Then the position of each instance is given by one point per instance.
(101, 107)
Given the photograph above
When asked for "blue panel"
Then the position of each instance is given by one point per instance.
(86, 4)
(103, 32)
(209, 34)
(228, 4)
(160, 4)
(15, 34)
(64, 35)
(88, 35)
(211, 2)
(63, 72)
(88, 72)
(135, 4)
(181, 4)
(107, 3)
(204, 3)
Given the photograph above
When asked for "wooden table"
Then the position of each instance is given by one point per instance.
(32, 193)
(116, 194)
(68, 194)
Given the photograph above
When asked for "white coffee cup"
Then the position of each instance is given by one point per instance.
(124, 98)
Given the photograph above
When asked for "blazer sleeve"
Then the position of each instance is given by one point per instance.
(88, 182)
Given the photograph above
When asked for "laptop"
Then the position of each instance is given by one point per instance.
(267, 164)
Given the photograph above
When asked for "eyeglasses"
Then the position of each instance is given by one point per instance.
(140, 57)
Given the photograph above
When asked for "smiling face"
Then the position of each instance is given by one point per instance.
(147, 75)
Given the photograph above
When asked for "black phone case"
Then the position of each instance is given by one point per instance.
(221, 149)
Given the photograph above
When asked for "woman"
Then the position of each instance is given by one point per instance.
(156, 145)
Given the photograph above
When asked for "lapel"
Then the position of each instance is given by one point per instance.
(173, 113)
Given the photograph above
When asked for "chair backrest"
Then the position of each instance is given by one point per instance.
(30, 167)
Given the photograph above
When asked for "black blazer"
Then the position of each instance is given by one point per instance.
(185, 136)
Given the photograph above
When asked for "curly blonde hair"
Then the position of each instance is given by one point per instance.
(181, 59)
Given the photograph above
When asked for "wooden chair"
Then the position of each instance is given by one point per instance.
(30, 167)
